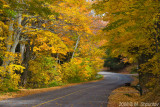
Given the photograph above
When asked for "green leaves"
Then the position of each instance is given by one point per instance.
(115, 24)
(10, 13)
(38, 7)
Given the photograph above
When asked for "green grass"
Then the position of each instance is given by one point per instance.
(56, 83)
(98, 76)
(12, 90)
(128, 95)
(8, 90)
(73, 80)
(133, 70)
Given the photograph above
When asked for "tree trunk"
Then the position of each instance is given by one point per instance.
(27, 57)
(13, 38)
(6, 60)
(22, 47)
(26, 64)
(77, 42)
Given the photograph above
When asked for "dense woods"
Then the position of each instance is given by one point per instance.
(47, 42)
(133, 32)
(51, 42)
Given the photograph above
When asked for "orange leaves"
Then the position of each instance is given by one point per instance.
(62, 4)
(69, 43)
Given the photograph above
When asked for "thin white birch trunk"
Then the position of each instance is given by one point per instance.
(77, 42)
(22, 48)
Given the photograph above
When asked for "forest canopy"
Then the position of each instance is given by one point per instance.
(47, 42)
(133, 32)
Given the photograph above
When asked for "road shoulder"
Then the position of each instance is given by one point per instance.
(26, 92)
(124, 95)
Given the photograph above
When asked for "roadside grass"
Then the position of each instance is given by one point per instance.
(56, 83)
(77, 80)
(124, 94)
(52, 86)
(98, 77)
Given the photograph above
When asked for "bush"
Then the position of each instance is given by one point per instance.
(99, 76)
(42, 72)
(79, 69)
(134, 70)
(9, 79)
(56, 83)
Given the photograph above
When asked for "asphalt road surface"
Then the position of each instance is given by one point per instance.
(94, 94)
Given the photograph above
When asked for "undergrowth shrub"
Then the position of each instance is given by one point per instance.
(79, 69)
(43, 72)
(10, 77)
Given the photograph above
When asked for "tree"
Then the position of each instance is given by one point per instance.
(133, 32)
(39, 36)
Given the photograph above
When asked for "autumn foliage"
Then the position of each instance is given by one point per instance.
(133, 31)
(47, 41)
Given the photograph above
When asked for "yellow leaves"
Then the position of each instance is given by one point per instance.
(88, 30)
(60, 17)
(50, 42)
(36, 49)
(71, 19)
(58, 78)
(43, 71)
(62, 4)
(115, 52)
(3, 26)
(66, 27)
(44, 25)
(10, 79)
(69, 43)
(2, 70)
(6, 6)
(128, 60)
(2, 38)
(71, 12)
(1, 11)
(77, 61)
(15, 67)
(102, 42)
(53, 50)
(52, 17)
(81, 68)
(152, 66)
(10, 54)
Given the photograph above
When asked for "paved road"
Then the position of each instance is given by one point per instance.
(93, 94)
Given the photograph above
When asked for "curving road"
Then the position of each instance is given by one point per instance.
(94, 94)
